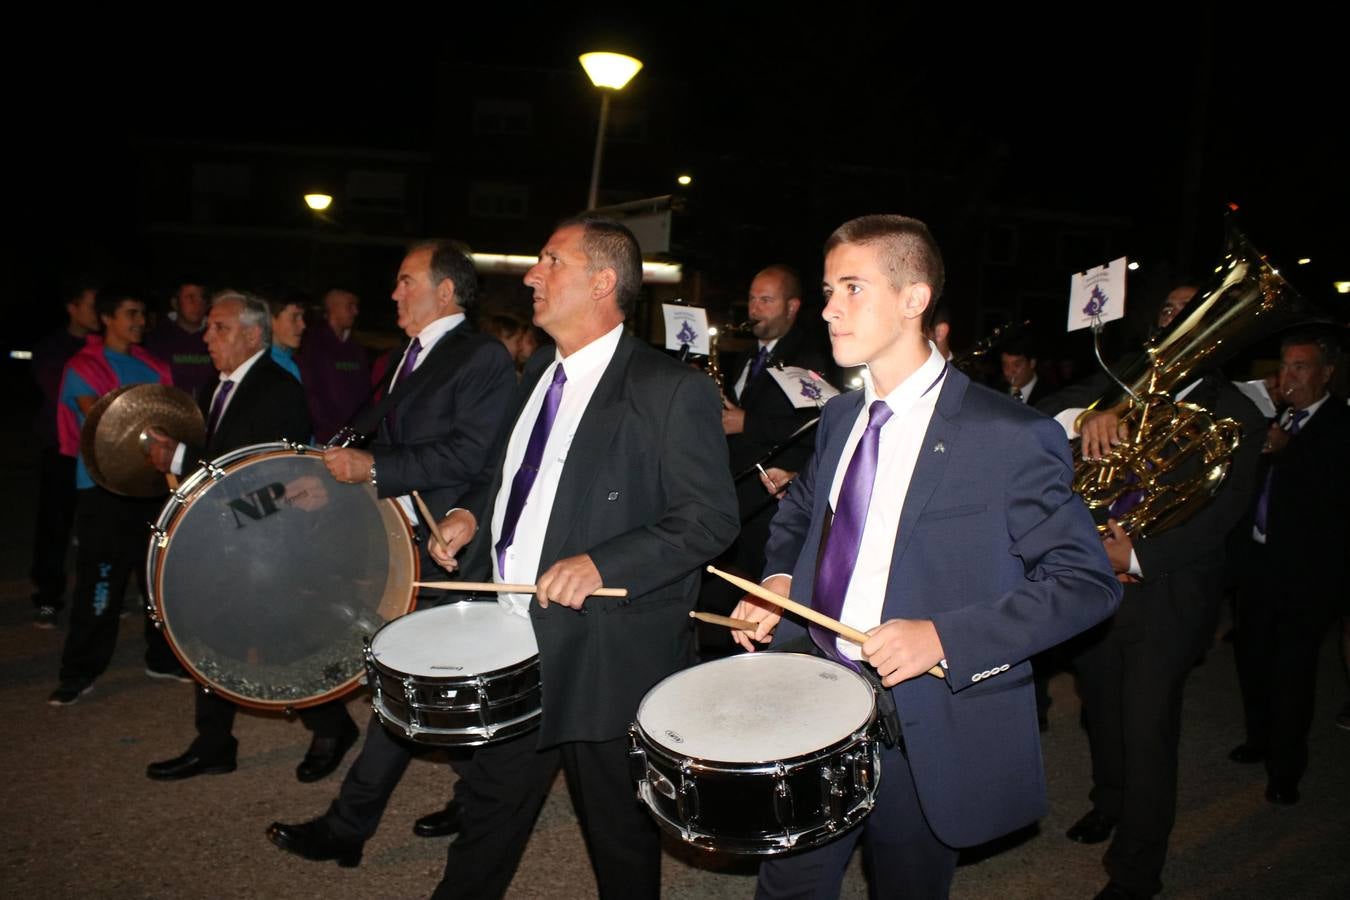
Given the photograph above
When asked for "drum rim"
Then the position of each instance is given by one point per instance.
(188, 493)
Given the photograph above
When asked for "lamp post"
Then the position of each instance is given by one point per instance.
(610, 72)
(318, 204)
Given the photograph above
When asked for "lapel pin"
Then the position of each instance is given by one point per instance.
(613, 495)
(939, 447)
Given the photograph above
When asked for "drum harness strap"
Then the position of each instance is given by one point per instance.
(891, 733)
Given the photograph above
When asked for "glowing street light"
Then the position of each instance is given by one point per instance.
(318, 202)
(685, 180)
(610, 72)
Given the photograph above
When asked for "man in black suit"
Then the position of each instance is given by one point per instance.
(252, 402)
(1018, 359)
(613, 472)
(442, 406)
(1132, 669)
(761, 418)
(1295, 569)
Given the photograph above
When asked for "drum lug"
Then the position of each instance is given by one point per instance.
(782, 802)
(686, 798)
(159, 537)
(637, 757)
(863, 769)
(832, 789)
(215, 471)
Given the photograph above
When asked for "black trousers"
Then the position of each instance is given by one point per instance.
(903, 857)
(502, 793)
(1282, 619)
(51, 530)
(1131, 672)
(214, 718)
(114, 534)
(356, 811)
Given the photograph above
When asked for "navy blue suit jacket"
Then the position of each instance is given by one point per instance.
(996, 550)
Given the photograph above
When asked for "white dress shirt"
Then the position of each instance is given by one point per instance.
(584, 368)
(1026, 389)
(912, 403)
(176, 467)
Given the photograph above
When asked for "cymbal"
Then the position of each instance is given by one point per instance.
(110, 440)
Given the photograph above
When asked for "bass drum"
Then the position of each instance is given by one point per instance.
(268, 577)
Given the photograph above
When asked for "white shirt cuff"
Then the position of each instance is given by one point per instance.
(1134, 565)
(1067, 418)
(176, 467)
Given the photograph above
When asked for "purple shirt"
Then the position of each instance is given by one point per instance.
(185, 353)
(336, 376)
(49, 360)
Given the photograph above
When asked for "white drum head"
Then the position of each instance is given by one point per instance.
(756, 708)
(455, 641)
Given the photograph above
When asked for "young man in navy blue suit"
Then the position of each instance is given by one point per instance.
(954, 540)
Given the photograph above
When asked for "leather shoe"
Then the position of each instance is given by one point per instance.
(440, 823)
(1093, 828)
(189, 765)
(313, 840)
(1283, 791)
(1246, 754)
(325, 754)
(1114, 890)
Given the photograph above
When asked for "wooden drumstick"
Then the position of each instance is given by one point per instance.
(431, 523)
(714, 619)
(806, 612)
(494, 587)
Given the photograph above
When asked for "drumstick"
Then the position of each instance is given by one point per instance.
(431, 523)
(714, 619)
(492, 586)
(806, 612)
(172, 479)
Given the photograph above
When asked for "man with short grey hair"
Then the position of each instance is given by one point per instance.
(254, 401)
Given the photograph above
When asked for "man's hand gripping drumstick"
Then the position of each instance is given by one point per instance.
(567, 582)
(898, 649)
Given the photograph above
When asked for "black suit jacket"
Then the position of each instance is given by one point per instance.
(268, 405)
(435, 432)
(1309, 497)
(646, 492)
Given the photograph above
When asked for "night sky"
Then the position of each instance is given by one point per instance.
(1159, 115)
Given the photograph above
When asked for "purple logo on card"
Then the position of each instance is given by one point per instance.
(687, 334)
(1096, 302)
(810, 390)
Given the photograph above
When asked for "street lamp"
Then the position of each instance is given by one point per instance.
(610, 72)
(318, 202)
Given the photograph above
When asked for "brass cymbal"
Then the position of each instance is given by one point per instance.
(110, 440)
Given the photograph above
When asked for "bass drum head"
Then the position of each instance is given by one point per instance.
(270, 579)
(756, 708)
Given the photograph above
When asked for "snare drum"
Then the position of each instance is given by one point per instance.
(759, 753)
(268, 576)
(458, 675)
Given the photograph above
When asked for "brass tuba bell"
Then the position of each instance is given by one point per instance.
(1177, 454)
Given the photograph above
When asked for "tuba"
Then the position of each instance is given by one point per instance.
(1178, 454)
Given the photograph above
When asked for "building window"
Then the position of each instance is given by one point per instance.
(1000, 245)
(501, 117)
(376, 190)
(493, 200)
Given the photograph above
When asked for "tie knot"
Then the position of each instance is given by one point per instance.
(1296, 418)
(416, 346)
(878, 414)
(559, 376)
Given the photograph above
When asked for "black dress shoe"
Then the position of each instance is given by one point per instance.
(440, 823)
(189, 765)
(1093, 828)
(1114, 890)
(313, 840)
(325, 754)
(1246, 754)
(1283, 791)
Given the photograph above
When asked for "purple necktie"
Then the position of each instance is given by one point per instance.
(409, 360)
(757, 365)
(1263, 502)
(529, 465)
(850, 515)
(218, 405)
